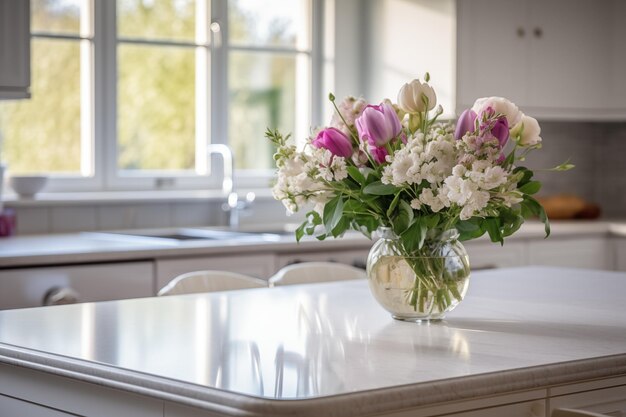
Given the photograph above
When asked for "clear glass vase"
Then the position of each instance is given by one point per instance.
(424, 284)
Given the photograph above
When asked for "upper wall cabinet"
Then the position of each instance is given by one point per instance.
(556, 59)
(14, 49)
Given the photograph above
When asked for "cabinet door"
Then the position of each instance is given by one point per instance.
(14, 49)
(570, 54)
(28, 287)
(260, 266)
(13, 407)
(45, 391)
(525, 409)
(609, 401)
(590, 252)
(492, 50)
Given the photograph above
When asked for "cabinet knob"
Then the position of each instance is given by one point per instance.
(60, 295)
(520, 32)
(538, 32)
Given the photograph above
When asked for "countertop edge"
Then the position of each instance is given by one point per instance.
(349, 404)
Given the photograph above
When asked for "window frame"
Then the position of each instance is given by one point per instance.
(99, 131)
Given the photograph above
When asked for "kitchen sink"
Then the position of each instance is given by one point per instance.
(178, 235)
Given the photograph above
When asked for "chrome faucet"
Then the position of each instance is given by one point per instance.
(228, 162)
(233, 205)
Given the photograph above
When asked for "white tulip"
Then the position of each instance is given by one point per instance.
(499, 105)
(410, 97)
(529, 129)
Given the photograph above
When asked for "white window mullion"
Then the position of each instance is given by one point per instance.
(219, 101)
(319, 44)
(203, 84)
(88, 154)
(106, 66)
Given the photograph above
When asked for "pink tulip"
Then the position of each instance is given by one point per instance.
(500, 130)
(335, 141)
(465, 124)
(378, 125)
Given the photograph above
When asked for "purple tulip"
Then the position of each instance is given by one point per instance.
(335, 141)
(378, 154)
(378, 125)
(500, 131)
(466, 123)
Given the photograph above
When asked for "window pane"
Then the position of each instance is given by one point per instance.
(269, 23)
(155, 107)
(43, 134)
(160, 19)
(262, 94)
(58, 16)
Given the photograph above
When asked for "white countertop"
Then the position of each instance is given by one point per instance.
(329, 348)
(90, 247)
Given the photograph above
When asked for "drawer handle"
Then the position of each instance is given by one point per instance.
(60, 295)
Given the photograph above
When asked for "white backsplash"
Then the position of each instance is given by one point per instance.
(76, 218)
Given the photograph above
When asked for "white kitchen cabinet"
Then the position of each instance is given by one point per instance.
(48, 391)
(14, 407)
(556, 59)
(259, 265)
(602, 396)
(489, 255)
(583, 252)
(28, 287)
(14, 49)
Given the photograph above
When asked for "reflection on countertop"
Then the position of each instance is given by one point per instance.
(319, 340)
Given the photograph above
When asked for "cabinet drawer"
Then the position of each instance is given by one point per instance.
(28, 287)
(609, 401)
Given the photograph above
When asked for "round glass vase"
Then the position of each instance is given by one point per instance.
(422, 285)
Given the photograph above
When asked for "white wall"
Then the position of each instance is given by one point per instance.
(406, 38)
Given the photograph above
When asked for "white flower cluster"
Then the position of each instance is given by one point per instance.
(444, 172)
(350, 109)
(303, 177)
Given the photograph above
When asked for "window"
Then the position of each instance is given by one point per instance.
(127, 93)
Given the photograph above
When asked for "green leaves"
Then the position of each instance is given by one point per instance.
(531, 187)
(531, 207)
(413, 237)
(378, 188)
(493, 224)
(333, 211)
(470, 229)
(356, 175)
(403, 218)
(313, 219)
(526, 175)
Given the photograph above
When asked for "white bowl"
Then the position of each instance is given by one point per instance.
(26, 186)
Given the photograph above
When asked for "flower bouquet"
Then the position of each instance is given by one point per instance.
(423, 184)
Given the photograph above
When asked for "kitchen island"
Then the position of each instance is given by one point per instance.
(522, 342)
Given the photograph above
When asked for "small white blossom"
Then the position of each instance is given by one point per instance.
(416, 204)
(428, 197)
